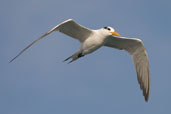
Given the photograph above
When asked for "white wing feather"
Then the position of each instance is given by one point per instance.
(68, 27)
(139, 55)
(74, 30)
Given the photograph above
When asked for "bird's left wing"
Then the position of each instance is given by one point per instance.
(139, 55)
(68, 27)
(74, 30)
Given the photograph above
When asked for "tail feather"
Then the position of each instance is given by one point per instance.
(67, 58)
(74, 57)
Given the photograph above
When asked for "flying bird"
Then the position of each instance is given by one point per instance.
(91, 40)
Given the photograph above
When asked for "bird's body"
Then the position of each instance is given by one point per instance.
(91, 40)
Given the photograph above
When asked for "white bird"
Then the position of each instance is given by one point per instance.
(92, 40)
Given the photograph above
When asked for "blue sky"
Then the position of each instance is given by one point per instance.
(105, 82)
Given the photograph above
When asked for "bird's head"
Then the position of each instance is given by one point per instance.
(111, 31)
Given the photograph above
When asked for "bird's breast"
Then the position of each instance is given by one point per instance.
(92, 43)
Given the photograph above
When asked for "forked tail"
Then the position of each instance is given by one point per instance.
(74, 57)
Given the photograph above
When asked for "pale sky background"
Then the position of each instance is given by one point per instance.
(105, 82)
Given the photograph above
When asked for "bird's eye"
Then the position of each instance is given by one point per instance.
(108, 29)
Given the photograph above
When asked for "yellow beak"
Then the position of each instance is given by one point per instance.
(115, 33)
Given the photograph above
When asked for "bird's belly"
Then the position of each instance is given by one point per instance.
(90, 45)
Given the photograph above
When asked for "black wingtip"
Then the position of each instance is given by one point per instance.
(12, 60)
(146, 97)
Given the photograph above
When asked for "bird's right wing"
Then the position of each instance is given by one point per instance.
(136, 48)
(68, 27)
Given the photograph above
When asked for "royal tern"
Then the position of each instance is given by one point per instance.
(92, 40)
